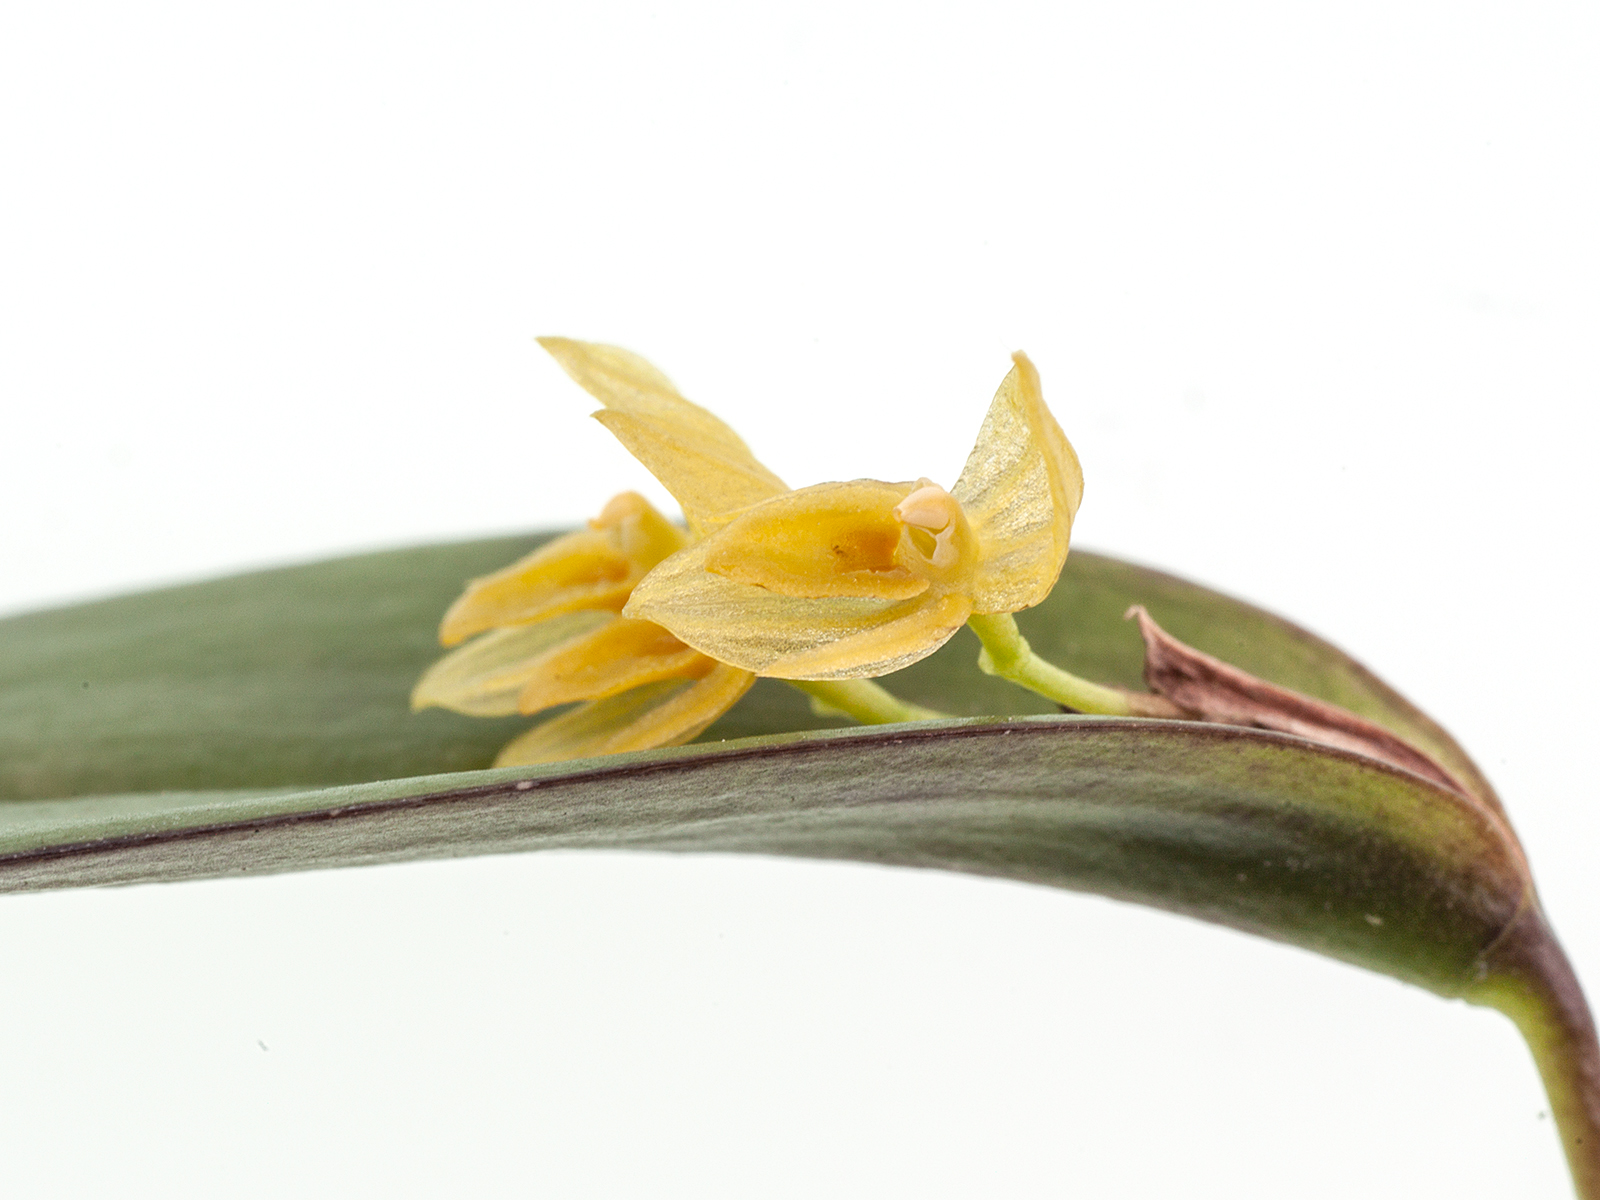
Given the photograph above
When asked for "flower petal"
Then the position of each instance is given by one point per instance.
(483, 678)
(615, 657)
(884, 648)
(667, 713)
(834, 539)
(1020, 489)
(768, 633)
(699, 459)
(591, 568)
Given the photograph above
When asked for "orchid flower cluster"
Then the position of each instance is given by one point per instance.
(656, 630)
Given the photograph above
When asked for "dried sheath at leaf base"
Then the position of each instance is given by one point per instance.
(1205, 688)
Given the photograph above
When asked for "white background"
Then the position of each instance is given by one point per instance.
(1314, 291)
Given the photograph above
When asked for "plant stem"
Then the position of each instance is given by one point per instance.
(1006, 653)
(1530, 980)
(863, 700)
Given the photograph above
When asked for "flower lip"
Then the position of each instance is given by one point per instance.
(834, 540)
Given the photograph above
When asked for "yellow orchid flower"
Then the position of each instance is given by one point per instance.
(594, 568)
(550, 634)
(852, 580)
(840, 582)
(825, 586)
(547, 631)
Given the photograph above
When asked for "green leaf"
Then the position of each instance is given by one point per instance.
(260, 723)
(265, 702)
(1258, 831)
(299, 676)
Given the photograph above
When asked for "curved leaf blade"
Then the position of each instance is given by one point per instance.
(275, 696)
(1263, 832)
(298, 677)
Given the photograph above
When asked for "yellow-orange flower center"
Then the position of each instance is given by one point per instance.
(864, 539)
